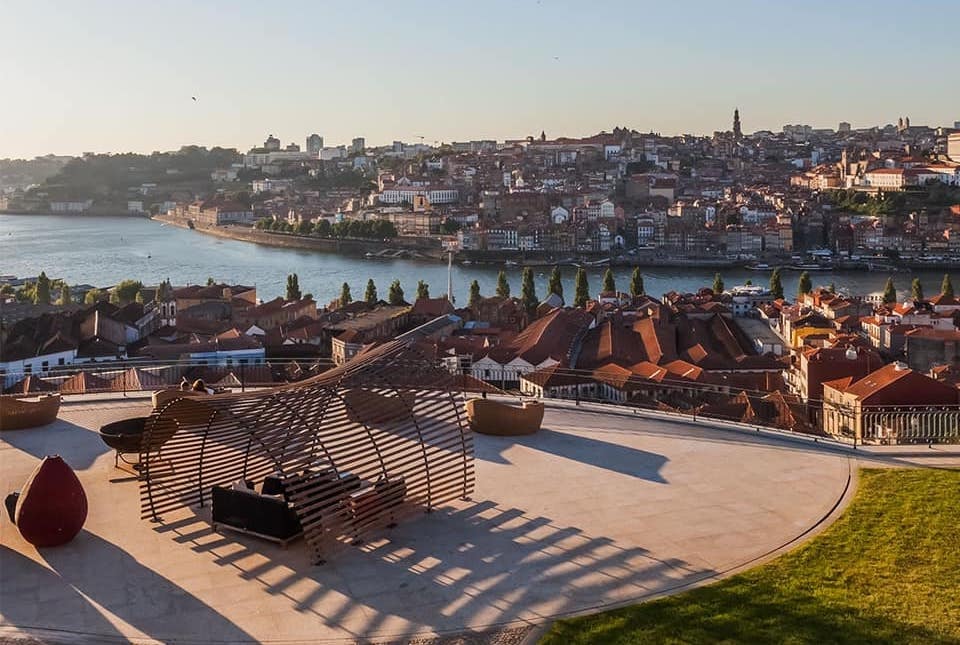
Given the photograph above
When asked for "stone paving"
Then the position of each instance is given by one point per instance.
(595, 510)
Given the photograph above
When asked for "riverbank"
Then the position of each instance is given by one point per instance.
(105, 251)
(398, 248)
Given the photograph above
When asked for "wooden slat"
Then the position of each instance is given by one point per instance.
(390, 416)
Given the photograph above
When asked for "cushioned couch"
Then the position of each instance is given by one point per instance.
(246, 510)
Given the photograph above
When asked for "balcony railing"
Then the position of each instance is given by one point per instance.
(868, 424)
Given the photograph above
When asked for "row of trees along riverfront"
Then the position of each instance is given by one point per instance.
(364, 229)
(47, 291)
(528, 291)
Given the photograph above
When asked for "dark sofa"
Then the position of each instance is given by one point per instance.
(261, 515)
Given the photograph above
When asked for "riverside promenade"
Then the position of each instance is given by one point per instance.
(596, 510)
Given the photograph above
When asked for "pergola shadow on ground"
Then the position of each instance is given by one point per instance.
(357, 447)
(479, 563)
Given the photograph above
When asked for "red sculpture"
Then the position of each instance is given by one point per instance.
(52, 506)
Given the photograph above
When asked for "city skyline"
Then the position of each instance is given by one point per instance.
(499, 72)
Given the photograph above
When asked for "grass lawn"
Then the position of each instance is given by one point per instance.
(887, 571)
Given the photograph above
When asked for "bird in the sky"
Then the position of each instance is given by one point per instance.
(194, 98)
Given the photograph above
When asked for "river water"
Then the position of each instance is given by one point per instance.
(104, 250)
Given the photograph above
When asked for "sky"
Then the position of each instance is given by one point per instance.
(118, 76)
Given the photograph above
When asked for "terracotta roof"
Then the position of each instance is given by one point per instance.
(549, 337)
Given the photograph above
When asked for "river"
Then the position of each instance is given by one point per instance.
(104, 250)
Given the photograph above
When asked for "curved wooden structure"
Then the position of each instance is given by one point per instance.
(357, 447)
(502, 419)
(17, 414)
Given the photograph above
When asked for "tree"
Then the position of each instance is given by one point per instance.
(474, 296)
(211, 281)
(581, 289)
(608, 282)
(126, 291)
(946, 287)
(832, 288)
(92, 296)
(805, 286)
(41, 295)
(776, 284)
(503, 287)
(889, 292)
(396, 294)
(371, 294)
(528, 291)
(916, 290)
(556, 282)
(345, 297)
(636, 283)
(65, 296)
(717, 284)
(293, 287)
(423, 290)
(748, 283)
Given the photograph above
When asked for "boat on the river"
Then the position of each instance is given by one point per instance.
(810, 266)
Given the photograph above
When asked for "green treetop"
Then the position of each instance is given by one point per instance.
(293, 287)
(474, 301)
(503, 287)
(609, 284)
(345, 297)
(636, 283)
(889, 292)
(556, 282)
(805, 286)
(91, 297)
(371, 294)
(528, 291)
(41, 295)
(423, 290)
(581, 289)
(717, 284)
(65, 297)
(946, 287)
(776, 284)
(126, 291)
(395, 296)
(916, 290)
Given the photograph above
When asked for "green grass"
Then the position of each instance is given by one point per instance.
(887, 571)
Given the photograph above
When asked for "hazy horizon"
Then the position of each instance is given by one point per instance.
(115, 77)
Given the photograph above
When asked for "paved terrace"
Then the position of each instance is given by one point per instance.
(595, 510)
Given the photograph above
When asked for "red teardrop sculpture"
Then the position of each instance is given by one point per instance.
(52, 506)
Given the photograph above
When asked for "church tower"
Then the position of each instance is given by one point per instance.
(737, 133)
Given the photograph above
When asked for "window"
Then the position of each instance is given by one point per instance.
(44, 366)
(61, 361)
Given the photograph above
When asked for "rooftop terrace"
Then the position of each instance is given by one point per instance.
(594, 510)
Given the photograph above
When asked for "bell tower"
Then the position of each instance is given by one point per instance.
(737, 132)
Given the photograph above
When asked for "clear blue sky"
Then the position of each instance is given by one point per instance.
(118, 76)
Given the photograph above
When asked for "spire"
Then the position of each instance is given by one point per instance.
(737, 133)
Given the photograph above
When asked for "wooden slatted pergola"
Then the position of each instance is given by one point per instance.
(359, 446)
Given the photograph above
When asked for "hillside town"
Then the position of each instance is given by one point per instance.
(802, 199)
(883, 197)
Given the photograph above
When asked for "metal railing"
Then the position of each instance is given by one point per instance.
(129, 376)
(723, 402)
